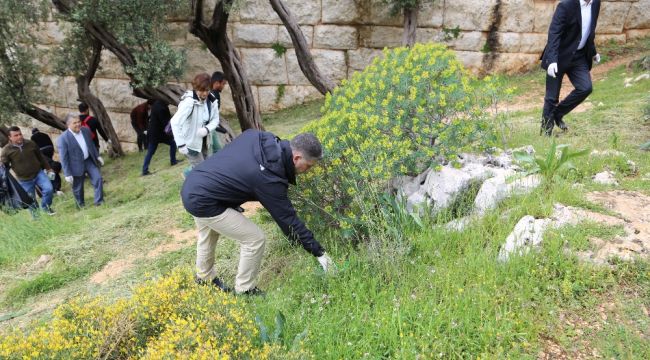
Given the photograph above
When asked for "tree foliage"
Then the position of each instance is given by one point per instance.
(18, 72)
(136, 25)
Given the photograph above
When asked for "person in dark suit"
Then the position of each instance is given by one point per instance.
(570, 50)
(79, 157)
(92, 124)
(159, 119)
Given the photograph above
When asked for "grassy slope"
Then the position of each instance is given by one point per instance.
(444, 297)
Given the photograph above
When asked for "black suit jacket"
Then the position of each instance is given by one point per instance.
(565, 33)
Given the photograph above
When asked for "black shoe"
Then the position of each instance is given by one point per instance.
(547, 125)
(215, 282)
(253, 292)
(560, 123)
(240, 209)
(49, 211)
(146, 173)
(176, 162)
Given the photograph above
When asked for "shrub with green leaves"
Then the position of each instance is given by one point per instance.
(407, 111)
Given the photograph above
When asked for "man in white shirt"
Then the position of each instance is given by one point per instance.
(570, 50)
(79, 157)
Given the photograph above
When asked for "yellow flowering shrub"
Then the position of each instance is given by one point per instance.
(170, 318)
(406, 110)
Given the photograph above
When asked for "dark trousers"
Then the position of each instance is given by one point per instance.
(151, 149)
(141, 140)
(95, 179)
(578, 73)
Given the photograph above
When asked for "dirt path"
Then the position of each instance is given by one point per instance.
(534, 97)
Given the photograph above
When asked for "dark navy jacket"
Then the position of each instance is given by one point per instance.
(256, 166)
(565, 32)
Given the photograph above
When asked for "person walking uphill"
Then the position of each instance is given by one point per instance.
(92, 124)
(79, 157)
(195, 118)
(570, 50)
(256, 166)
(30, 167)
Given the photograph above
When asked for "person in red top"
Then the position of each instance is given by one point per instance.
(92, 124)
(140, 121)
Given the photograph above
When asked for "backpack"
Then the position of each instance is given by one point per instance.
(84, 123)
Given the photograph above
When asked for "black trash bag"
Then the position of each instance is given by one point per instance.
(12, 195)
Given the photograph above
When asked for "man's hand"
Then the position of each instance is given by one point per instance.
(326, 262)
(202, 132)
(100, 161)
(552, 70)
(597, 58)
(69, 179)
(183, 150)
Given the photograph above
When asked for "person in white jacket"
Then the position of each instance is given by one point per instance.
(195, 119)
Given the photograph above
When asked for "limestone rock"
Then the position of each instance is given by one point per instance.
(335, 37)
(117, 95)
(515, 63)
(273, 99)
(380, 36)
(468, 41)
(469, 15)
(254, 34)
(638, 17)
(330, 62)
(470, 59)
(285, 39)
(527, 234)
(612, 17)
(493, 191)
(261, 12)
(444, 185)
(430, 14)
(199, 60)
(264, 67)
(362, 57)
(518, 15)
(340, 12)
(607, 152)
(605, 178)
(543, 15)
(459, 224)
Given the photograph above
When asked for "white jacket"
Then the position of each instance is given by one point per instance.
(192, 114)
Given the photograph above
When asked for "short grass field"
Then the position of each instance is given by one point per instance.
(443, 296)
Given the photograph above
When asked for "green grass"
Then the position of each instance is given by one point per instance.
(432, 294)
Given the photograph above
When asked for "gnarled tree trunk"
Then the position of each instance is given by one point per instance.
(214, 36)
(309, 68)
(86, 95)
(410, 26)
(170, 94)
(43, 116)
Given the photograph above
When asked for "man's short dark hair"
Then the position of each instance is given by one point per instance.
(83, 107)
(14, 129)
(309, 145)
(217, 76)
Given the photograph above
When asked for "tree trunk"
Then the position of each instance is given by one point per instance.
(216, 39)
(43, 116)
(309, 68)
(86, 95)
(170, 94)
(410, 25)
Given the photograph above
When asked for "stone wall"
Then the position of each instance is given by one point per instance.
(345, 35)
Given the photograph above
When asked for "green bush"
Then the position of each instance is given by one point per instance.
(407, 111)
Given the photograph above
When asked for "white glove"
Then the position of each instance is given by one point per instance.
(202, 132)
(552, 70)
(145, 132)
(51, 175)
(183, 150)
(326, 262)
(100, 161)
(69, 179)
(109, 142)
(597, 58)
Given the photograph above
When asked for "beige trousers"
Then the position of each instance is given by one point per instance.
(234, 225)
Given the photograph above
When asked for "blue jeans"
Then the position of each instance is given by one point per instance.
(95, 179)
(151, 149)
(44, 184)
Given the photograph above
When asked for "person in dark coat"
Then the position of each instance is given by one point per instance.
(156, 134)
(570, 50)
(140, 123)
(46, 146)
(92, 124)
(256, 166)
(4, 136)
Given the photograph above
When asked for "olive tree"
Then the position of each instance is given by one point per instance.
(19, 80)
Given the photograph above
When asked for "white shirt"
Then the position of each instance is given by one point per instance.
(82, 142)
(585, 10)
